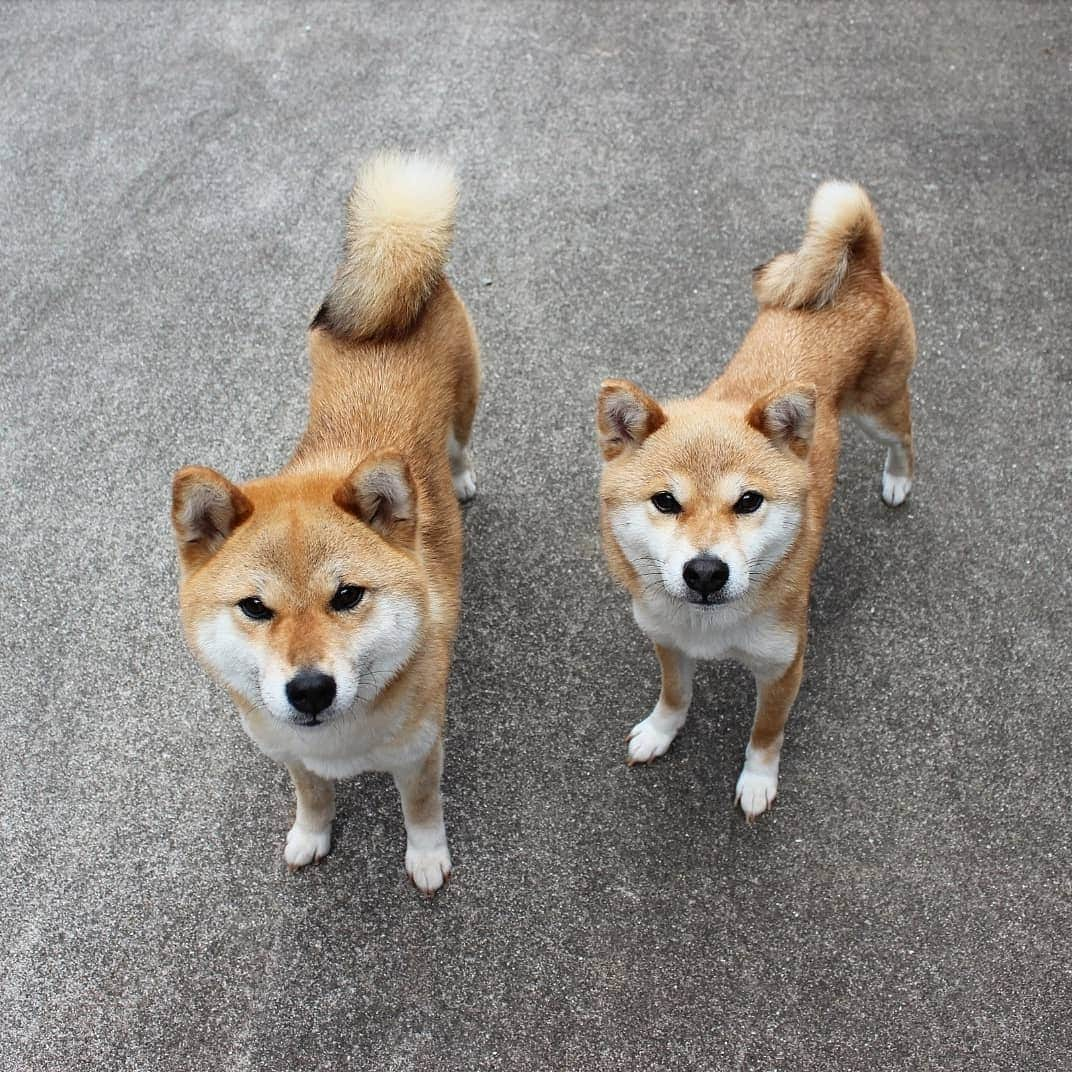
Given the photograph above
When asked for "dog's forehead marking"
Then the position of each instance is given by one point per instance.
(681, 487)
(702, 450)
(710, 482)
(296, 550)
(730, 486)
(718, 488)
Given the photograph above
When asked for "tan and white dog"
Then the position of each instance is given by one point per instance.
(713, 507)
(325, 598)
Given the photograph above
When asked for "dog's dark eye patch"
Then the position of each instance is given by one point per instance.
(748, 503)
(665, 503)
(253, 608)
(347, 597)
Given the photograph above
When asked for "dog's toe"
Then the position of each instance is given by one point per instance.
(648, 741)
(465, 485)
(756, 791)
(305, 846)
(895, 489)
(428, 869)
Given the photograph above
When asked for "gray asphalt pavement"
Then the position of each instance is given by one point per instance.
(172, 182)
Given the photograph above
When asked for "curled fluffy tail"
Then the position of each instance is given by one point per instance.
(400, 221)
(843, 237)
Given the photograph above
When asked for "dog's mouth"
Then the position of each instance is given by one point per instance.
(307, 721)
(714, 599)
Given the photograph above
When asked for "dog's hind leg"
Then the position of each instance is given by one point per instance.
(891, 425)
(880, 402)
(461, 467)
(467, 392)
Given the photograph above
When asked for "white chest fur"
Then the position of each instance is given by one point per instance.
(758, 640)
(344, 747)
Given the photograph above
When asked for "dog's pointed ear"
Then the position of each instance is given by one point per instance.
(625, 417)
(205, 509)
(380, 493)
(786, 416)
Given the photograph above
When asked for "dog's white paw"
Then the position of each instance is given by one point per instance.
(464, 485)
(306, 846)
(428, 869)
(650, 739)
(756, 790)
(895, 489)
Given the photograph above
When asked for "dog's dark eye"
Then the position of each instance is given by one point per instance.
(253, 608)
(748, 503)
(665, 503)
(347, 597)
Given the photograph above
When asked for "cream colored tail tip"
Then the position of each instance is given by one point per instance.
(407, 186)
(836, 204)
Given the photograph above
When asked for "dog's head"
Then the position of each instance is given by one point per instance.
(302, 592)
(703, 497)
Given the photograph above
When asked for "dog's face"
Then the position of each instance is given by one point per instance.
(703, 498)
(301, 593)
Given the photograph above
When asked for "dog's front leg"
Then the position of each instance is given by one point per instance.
(651, 738)
(758, 784)
(427, 855)
(309, 839)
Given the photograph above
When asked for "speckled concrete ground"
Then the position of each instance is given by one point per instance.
(171, 188)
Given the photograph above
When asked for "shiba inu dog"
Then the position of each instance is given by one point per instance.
(713, 507)
(325, 598)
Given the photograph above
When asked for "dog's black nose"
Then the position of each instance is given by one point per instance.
(310, 691)
(706, 574)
